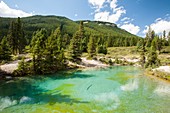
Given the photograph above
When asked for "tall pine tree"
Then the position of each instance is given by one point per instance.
(152, 59)
(75, 48)
(5, 53)
(37, 48)
(16, 37)
(92, 45)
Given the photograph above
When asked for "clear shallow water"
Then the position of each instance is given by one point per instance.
(111, 90)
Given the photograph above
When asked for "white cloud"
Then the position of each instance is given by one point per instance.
(131, 28)
(98, 4)
(159, 26)
(125, 18)
(101, 16)
(113, 4)
(158, 19)
(6, 11)
(106, 15)
(114, 15)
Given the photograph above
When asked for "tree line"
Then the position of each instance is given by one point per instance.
(51, 52)
(151, 46)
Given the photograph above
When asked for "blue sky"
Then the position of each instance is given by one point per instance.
(132, 15)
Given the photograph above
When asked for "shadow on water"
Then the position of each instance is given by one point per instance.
(71, 74)
(17, 89)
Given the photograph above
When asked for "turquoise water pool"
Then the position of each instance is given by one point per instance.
(119, 89)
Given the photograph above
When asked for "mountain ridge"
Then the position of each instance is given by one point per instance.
(51, 22)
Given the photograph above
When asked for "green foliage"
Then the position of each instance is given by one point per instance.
(5, 53)
(54, 53)
(102, 49)
(117, 61)
(37, 48)
(33, 23)
(92, 47)
(152, 59)
(47, 52)
(143, 53)
(22, 68)
(16, 37)
(75, 47)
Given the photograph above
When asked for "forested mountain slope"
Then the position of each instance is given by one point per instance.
(33, 23)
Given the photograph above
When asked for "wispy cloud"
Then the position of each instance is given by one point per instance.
(97, 4)
(113, 14)
(131, 28)
(106, 15)
(6, 11)
(159, 25)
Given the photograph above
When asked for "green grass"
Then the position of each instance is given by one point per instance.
(123, 52)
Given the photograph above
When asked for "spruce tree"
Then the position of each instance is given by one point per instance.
(168, 38)
(54, 52)
(5, 52)
(143, 52)
(75, 52)
(58, 36)
(152, 59)
(12, 38)
(16, 37)
(37, 48)
(22, 68)
(92, 46)
(83, 44)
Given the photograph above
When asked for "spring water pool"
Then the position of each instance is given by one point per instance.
(119, 89)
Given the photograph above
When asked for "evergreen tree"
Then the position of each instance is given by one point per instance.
(164, 34)
(168, 38)
(149, 37)
(152, 59)
(52, 47)
(92, 47)
(143, 51)
(22, 68)
(66, 41)
(75, 48)
(16, 37)
(5, 53)
(12, 38)
(164, 40)
(158, 42)
(37, 48)
(20, 35)
(83, 40)
(57, 35)
(54, 55)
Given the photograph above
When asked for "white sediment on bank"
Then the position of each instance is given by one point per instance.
(163, 69)
(92, 63)
(12, 66)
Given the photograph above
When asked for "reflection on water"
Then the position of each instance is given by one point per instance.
(115, 89)
(130, 86)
